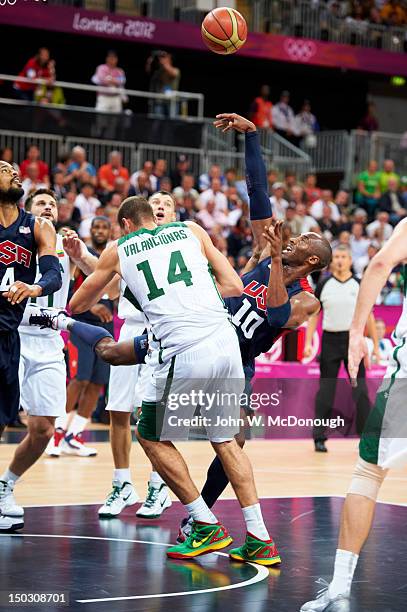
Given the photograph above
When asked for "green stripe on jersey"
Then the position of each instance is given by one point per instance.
(152, 232)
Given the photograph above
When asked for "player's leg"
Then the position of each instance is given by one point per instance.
(361, 398)
(330, 362)
(9, 401)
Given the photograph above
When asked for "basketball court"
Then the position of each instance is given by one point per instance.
(120, 564)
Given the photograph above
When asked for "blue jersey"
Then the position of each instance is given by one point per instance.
(249, 312)
(18, 262)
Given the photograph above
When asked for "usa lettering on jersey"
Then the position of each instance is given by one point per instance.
(14, 253)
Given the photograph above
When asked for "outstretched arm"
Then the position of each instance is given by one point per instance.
(391, 254)
(94, 286)
(256, 175)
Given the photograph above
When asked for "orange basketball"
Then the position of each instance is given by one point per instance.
(224, 30)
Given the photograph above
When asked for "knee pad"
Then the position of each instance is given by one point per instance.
(367, 479)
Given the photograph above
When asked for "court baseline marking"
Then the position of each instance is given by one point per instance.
(262, 572)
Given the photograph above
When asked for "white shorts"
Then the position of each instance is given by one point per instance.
(42, 374)
(384, 438)
(127, 383)
(203, 385)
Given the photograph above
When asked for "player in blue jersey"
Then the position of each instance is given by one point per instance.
(22, 237)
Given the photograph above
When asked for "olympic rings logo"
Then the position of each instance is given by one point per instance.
(300, 50)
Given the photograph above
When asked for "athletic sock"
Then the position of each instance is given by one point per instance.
(122, 474)
(216, 482)
(77, 425)
(345, 565)
(155, 480)
(61, 422)
(200, 511)
(254, 522)
(9, 475)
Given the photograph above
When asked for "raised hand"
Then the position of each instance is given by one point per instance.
(232, 121)
(274, 236)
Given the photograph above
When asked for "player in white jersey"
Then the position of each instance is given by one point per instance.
(169, 270)
(383, 444)
(126, 390)
(42, 371)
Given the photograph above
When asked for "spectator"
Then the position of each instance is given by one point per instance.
(164, 79)
(33, 156)
(110, 75)
(49, 93)
(359, 245)
(283, 117)
(79, 167)
(403, 183)
(290, 181)
(342, 201)
(386, 347)
(187, 190)
(368, 190)
(302, 222)
(109, 172)
(214, 172)
(261, 109)
(36, 68)
(147, 170)
(278, 204)
(326, 199)
(312, 192)
(141, 186)
(393, 13)
(326, 222)
(6, 155)
(211, 218)
(88, 205)
(272, 177)
(166, 184)
(115, 200)
(343, 239)
(58, 184)
(160, 170)
(235, 205)
(297, 195)
(216, 195)
(369, 123)
(380, 230)
(231, 177)
(239, 238)
(306, 125)
(386, 174)
(181, 168)
(68, 215)
(32, 182)
(392, 202)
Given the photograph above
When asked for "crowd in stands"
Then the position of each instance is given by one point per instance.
(383, 12)
(217, 199)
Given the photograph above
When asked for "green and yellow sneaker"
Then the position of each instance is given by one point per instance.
(263, 552)
(204, 538)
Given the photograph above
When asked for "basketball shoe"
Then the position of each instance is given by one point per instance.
(8, 506)
(157, 500)
(8, 523)
(325, 603)
(54, 445)
(204, 538)
(74, 445)
(123, 494)
(263, 552)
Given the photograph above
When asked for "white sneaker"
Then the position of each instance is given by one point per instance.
(54, 445)
(8, 523)
(123, 494)
(8, 506)
(325, 603)
(74, 445)
(157, 500)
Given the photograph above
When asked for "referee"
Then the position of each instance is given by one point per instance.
(338, 294)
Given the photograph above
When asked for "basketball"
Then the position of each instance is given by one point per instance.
(224, 30)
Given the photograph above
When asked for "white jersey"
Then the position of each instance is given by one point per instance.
(56, 300)
(401, 327)
(126, 310)
(170, 280)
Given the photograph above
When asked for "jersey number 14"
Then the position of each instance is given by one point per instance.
(177, 273)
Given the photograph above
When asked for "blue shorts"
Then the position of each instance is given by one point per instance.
(90, 366)
(9, 385)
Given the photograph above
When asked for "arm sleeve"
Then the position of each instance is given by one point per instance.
(256, 178)
(51, 279)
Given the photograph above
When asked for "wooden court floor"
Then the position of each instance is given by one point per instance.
(283, 468)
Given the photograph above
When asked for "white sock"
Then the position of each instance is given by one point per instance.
(122, 474)
(77, 425)
(200, 511)
(345, 565)
(9, 475)
(254, 522)
(61, 422)
(155, 480)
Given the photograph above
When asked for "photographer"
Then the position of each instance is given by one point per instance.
(164, 79)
